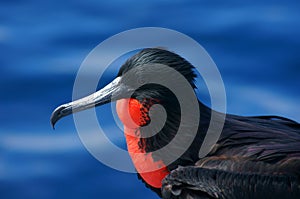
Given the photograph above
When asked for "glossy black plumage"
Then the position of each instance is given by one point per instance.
(255, 157)
(196, 182)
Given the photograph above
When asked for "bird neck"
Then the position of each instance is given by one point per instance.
(133, 114)
(152, 172)
(152, 167)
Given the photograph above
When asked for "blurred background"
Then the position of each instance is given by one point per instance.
(256, 46)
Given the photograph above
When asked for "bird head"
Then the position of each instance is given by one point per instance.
(134, 82)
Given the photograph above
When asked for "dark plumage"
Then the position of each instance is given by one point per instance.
(255, 157)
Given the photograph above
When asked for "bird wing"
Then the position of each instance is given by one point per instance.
(270, 139)
(194, 182)
(255, 157)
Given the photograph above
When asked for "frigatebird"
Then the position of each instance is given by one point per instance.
(254, 157)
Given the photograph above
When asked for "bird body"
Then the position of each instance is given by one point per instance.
(254, 157)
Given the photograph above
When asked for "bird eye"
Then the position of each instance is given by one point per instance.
(141, 81)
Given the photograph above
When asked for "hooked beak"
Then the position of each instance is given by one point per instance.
(111, 92)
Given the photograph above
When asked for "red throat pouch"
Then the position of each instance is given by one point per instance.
(133, 115)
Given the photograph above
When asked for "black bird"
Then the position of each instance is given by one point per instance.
(255, 157)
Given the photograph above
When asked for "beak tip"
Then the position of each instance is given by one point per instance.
(56, 115)
(52, 122)
(53, 125)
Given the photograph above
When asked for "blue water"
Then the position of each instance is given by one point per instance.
(42, 44)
